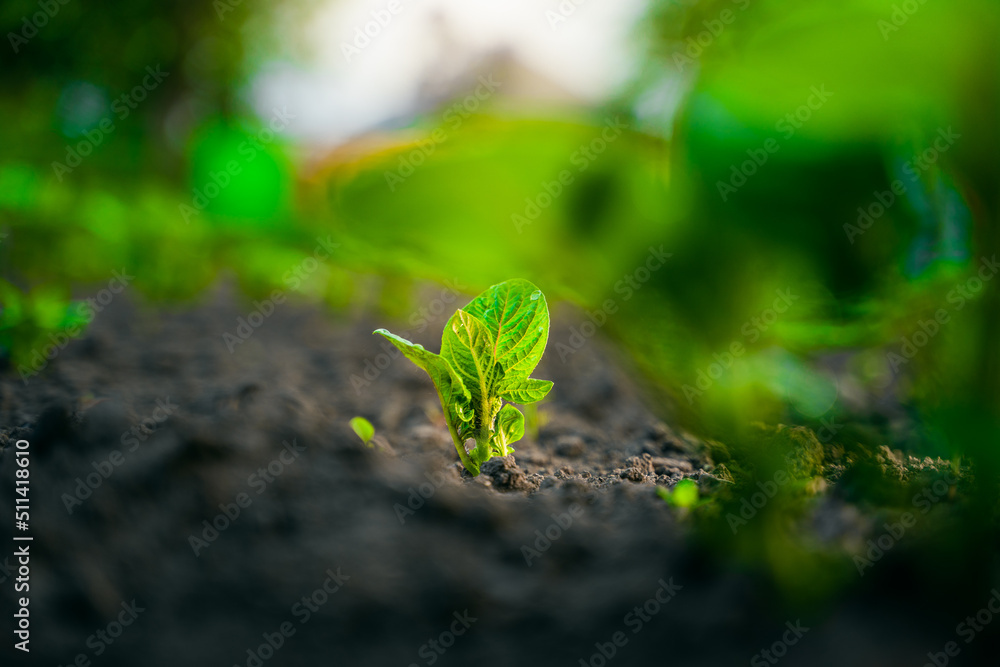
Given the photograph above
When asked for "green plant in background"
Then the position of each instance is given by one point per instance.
(684, 493)
(489, 349)
(534, 420)
(364, 429)
(35, 325)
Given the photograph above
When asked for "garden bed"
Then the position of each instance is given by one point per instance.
(339, 554)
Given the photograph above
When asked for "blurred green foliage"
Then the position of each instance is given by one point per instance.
(823, 176)
(684, 493)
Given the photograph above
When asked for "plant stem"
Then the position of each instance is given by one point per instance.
(487, 414)
(482, 451)
(460, 447)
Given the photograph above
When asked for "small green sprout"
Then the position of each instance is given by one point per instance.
(534, 420)
(684, 494)
(489, 349)
(364, 429)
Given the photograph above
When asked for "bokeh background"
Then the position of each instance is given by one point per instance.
(823, 176)
(429, 151)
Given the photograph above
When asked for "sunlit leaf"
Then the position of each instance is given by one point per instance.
(363, 428)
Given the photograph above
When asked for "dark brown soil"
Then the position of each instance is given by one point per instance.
(414, 539)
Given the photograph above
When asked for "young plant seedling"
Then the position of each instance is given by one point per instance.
(489, 349)
(685, 495)
(364, 429)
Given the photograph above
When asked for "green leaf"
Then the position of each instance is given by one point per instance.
(467, 345)
(448, 383)
(493, 344)
(526, 392)
(684, 494)
(488, 351)
(363, 428)
(517, 316)
(510, 426)
(455, 398)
